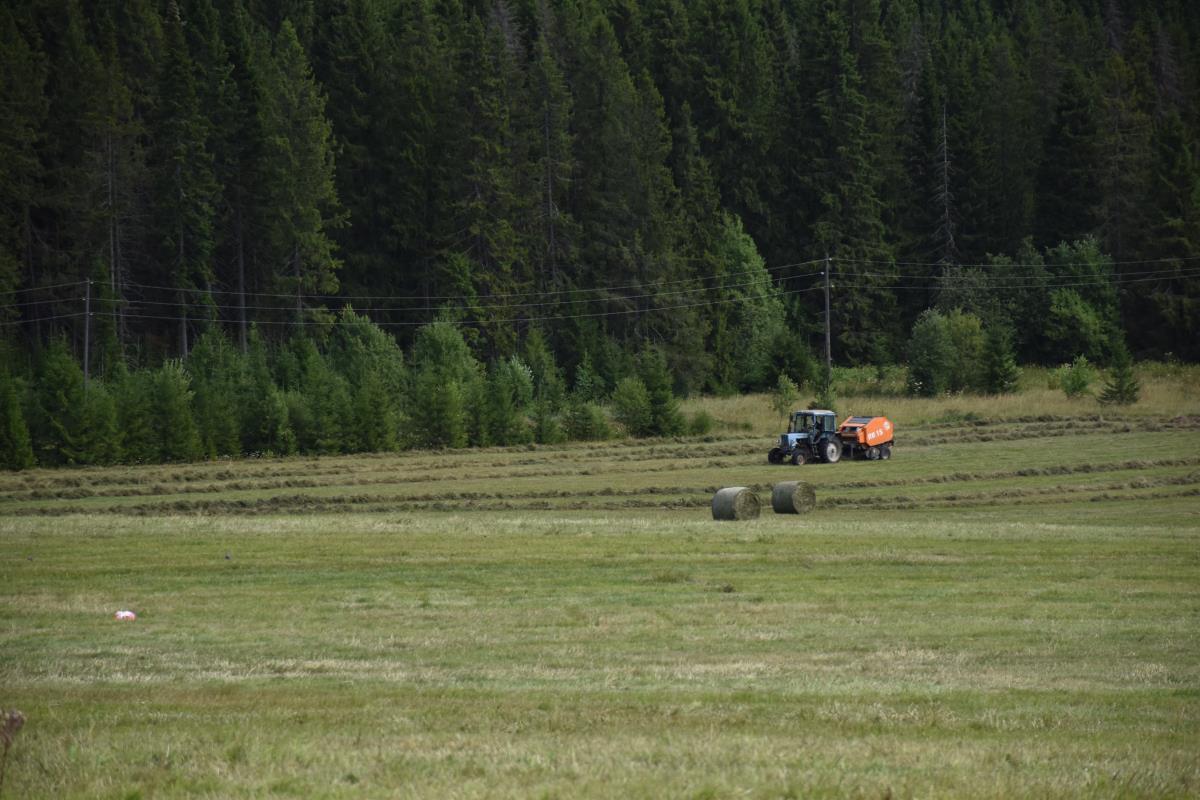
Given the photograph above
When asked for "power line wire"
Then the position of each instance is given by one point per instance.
(849, 282)
(623, 312)
(47, 319)
(42, 288)
(542, 293)
(1043, 264)
(479, 307)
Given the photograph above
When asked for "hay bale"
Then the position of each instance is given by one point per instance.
(793, 497)
(735, 502)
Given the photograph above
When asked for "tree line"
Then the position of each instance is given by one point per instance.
(357, 392)
(603, 173)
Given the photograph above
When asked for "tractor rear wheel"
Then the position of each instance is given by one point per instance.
(831, 451)
(799, 458)
(775, 456)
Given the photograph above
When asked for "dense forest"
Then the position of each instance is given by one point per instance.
(603, 185)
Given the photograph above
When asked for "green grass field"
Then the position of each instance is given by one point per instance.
(1008, 608)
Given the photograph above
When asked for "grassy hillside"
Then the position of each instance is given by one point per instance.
(1009, 607)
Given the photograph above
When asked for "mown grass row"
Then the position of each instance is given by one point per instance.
(451, 494)
(627, 450)
(664, 497)
(357, 471)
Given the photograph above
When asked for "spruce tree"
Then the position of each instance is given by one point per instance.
(298, 160)
(1122, 388)
(488, 256)
(216, 373)
(186, 190)
(327, 396)
(1169, 308)
(1123, 143)
(58, 424)
(173, 423)
(373, 366)
(16, 451)
(1000, 372)
(842, 184)
(375, 418)
(1067, 178)
(437, 411)
(549, 389)
(665, 418)
(139, 435)
(1010, 146)
(264, 421)
(22, 96)
(352, 56)
(552, 154)
(238, 149)
(101, 440)
(632, 407)
(445, 376)
(750, 317)
(509, 395)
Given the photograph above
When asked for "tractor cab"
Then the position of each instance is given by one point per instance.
(813, 422)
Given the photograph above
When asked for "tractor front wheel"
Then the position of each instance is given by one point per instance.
(799, 458)
(775, 456)
(831, 451)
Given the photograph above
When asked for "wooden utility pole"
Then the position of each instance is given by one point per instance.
(828, 348)
(87, 331)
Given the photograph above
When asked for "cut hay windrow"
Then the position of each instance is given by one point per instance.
(1024, 472)
(735, 503)
(793, 497)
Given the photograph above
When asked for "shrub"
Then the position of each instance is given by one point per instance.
(785, 395)
(631, 407)
(967, 346)
(1074, 326)
(930, 355)
(700, 424)
(585, 421)
(826, 399)
(1076, 378)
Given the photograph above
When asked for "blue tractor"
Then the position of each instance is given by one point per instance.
(812, 435)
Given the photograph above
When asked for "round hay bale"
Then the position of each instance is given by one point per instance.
(735, 502)
(793, 497)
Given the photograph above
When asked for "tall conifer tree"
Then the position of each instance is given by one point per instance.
(302, 205)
